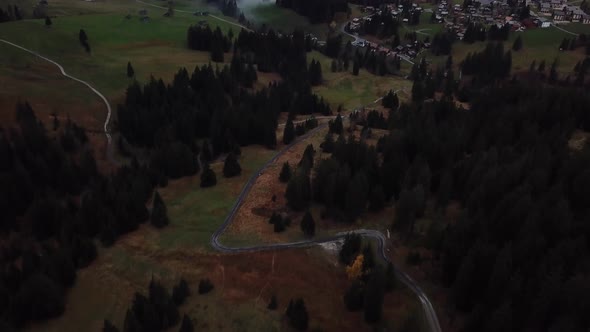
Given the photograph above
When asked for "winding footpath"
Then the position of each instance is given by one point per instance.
(110, 152)
(428, 309)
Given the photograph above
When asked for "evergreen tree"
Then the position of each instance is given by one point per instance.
(298, 192)
(231, 167)
(205, 286)
(84, 40)
(48, 21)
(297, 314)
(279, 225)
(285, 175)
(350, 248)
(109, 327)
(517, 46)
(356, 67)
(377, 199)
(208, 178)
(308, 224)
(130, 71)
(336, 126)
(328, 143)
(354, 296)
(186, 325)
(289, 132)
(418, 91)
(180, 292)
(131, 323)
(373, 300)
(159, 217)
(390, 277)
(272, 305)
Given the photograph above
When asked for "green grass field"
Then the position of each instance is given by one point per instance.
(354, 91)
(196, 213)
(155, 48)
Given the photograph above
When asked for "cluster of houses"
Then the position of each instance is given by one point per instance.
(561, 11)
(407, 51)
(396, 11)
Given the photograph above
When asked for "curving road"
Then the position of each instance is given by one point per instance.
(110, 152)
(429, 313)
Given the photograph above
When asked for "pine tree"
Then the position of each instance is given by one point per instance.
(159, 217)
(297, 314)
(356, 67)
(231, 167)
(48, 21)
(130, 71)
(336, 126)
(373, 300)
(308, 224)
(84, 40)
(186, 325)
(131, 323)
(377, 199)
(109, 327)
(390, 277)
(285, 175)
(289, 132)
(205, 286)
(180, 292)
(272, 305)
(418, 91)
(517, 46)
(279, 225)
(298, 191)
(208, 178)
(354, 296)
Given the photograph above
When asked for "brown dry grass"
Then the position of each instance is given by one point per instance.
(243, 283)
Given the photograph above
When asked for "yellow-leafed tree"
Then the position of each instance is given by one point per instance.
(355, 270)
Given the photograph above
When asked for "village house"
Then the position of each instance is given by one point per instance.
(559, 15)
(586, 19)
(576, 13)
(545, 8)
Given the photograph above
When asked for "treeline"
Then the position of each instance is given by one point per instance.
(427, 81)
(55, 204)
(488, 66)
(383, 26)
(209, 106)
(519, 247)
(12, 13)
(158, 311)
(204, 39)
(318, 11)
(478, 32)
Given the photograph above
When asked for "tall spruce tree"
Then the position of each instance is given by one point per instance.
(130, 71)
(285, 174)
(159, 217)
(289, 132)
(186, 325)
(308, 224)
(373, 299)
(208, 178)
(231, 167)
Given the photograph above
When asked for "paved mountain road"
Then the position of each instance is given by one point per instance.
(429, 313)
